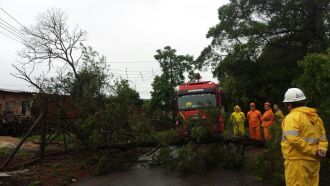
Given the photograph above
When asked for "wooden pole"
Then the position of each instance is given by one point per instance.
(63, 132)
(5, 164)
(44, 128)
(64, 138)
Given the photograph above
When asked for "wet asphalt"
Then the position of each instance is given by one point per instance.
(156, 176)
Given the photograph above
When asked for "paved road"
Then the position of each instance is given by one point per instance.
(142, 176)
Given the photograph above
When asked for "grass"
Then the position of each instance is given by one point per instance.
(21, 154)
(70, 139)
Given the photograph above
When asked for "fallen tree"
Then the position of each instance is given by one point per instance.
(183, 141)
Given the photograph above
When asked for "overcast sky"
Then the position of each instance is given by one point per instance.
(127, 32)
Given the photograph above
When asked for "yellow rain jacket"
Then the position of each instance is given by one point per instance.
(238, 119)
(303, 134)
(279, 116)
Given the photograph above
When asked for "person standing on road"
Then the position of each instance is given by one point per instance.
(267, 120)
(279, 116)
(238, 119)
(254, 116)
(304, 141)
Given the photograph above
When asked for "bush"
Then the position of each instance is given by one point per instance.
(315, 83)
(190, 157)
(270, 165)
(200, 132)
(165, 138)
(110, 161)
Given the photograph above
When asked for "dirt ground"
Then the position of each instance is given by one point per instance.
(11, 142)
(61, 169)
(54, 170)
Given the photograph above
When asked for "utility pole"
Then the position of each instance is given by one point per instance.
(172, 92)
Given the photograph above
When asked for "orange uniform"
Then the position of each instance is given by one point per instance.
(255, 118)
(267, 121)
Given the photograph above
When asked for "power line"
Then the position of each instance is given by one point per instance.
(132, 61)
(133, 71)
(10, 37)
(11, 27)
(12, 17)
(135, 78)
(9, 84)
(130, 72)
(132, 77)
(13, 33)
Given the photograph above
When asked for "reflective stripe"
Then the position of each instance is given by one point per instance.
(323, 137)
(291, 132)
(312, 140)
(308, 140)
(296, 133)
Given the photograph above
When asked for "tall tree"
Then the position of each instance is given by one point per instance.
(161, 93)
(260, 42)
(50, 42)
(315, 82)
(173, 67)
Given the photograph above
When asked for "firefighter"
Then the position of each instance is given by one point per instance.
(238, 119)
(304, 141)
(267, 120)
(279, 116)
(254, 116)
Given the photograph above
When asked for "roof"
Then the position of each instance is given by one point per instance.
(195, 83)
(16, 91)
(198, 85)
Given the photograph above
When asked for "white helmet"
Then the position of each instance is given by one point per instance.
(293, 95)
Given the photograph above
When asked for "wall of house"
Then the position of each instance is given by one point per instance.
(15, 103)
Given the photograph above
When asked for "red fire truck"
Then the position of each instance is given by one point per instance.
(195, 97)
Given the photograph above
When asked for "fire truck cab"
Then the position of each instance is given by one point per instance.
(193, 98)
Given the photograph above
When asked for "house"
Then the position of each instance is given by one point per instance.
(15, 104)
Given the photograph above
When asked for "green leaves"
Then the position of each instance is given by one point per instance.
(173, 68)
(162, 93)
(169, 60)
(315, 82)
(255, 46)
(263, 22)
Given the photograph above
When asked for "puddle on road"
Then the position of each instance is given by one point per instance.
(143, 175)
(156, 176)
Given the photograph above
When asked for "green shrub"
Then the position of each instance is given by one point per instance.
(190, 157)
(165, 138)
(200, 132)
(270, 165)
(110, 161)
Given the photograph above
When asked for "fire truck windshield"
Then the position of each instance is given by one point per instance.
(196, 101)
